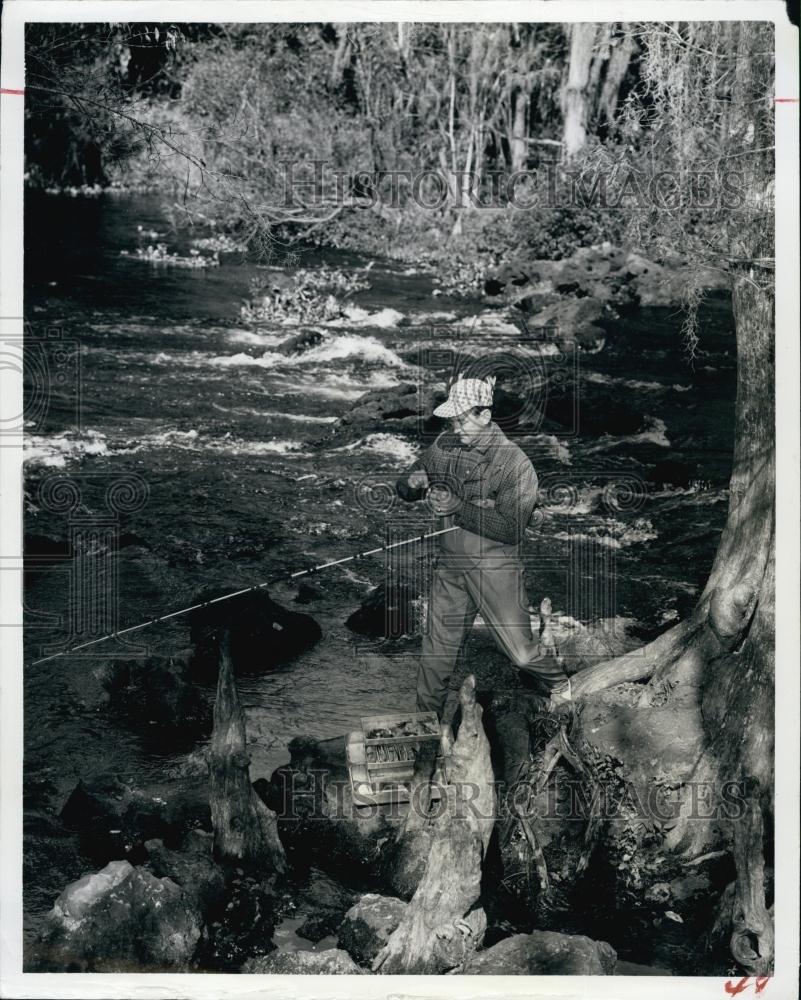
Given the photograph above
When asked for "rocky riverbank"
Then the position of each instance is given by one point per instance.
(162, 898)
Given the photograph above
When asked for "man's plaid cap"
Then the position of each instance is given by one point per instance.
(465, 394)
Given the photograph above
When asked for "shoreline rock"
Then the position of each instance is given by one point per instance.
(331, 962)
(120, 919)
(367, 926)
(544, 953)
(114, 819)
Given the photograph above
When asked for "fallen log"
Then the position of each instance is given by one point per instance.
(245, 830)
(442, 926)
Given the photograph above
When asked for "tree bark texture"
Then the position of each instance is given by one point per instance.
(575, 99)
(245, 830)
(442, 925)
(616, 69)
(518, 144)
(726, 649)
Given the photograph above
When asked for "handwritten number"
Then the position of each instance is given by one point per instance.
(733, 989)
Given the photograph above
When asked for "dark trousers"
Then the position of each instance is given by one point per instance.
(460, 589)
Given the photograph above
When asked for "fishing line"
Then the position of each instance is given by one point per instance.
(244, 590)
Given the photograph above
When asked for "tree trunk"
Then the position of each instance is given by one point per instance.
(724, 610)
(441, 928)
(725, 651)
(575, 99)
(616, 70)
(723, 655)
(342, 55)
(518, 146)
(245, 830)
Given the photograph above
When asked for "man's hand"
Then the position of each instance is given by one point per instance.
(443, 501)
(418, 480)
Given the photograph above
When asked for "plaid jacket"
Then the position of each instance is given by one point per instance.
(494, 480)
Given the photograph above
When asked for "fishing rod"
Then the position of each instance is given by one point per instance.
(244, 590)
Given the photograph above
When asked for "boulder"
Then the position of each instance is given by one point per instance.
(121, 919)
(595, 273)
(581, 646)
(192, 868)
(367, 926)
(318, 820)
(332, 962)
(155, 694)
(407, 408)
(327, 902)
(390, 611)
(566, 320)
(241, 926)
(544, 953)
(114, 819)
(300, 342)
(665, 283)
(602, 273)
(263, 634)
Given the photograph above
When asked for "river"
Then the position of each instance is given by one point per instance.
(231, 439)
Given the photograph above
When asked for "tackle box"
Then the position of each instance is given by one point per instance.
(382, 753)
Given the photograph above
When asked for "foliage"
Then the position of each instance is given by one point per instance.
(310, 296)
(213, 113)
(84, 85)
(693, 162)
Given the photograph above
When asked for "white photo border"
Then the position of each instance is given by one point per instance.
(784, 984)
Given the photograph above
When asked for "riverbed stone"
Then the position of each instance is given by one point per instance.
(602, 273)
(581, 646)
(327, 902)
(114, 818)
(155, 695)
(665, 283)
(331, 962)
(192, 868)
(391, 610)
(367, 926)
(544, 953)
(263, 634)
(241, 926)
(406, 408)
(121, 919)
(566, 321)
(300, 342)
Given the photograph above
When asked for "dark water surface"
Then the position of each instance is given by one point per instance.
(230, 438)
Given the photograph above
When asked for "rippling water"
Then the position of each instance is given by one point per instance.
(230, 437)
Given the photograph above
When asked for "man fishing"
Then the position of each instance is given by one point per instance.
(479, 481)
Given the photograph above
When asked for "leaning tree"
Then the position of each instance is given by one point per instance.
(704, 115)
